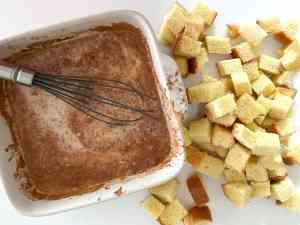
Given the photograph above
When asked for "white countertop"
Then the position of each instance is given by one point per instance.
(18, 16)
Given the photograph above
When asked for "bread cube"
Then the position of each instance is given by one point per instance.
(266, 144)
(222, 152)
(187, 137)
(226, 121)
(252, 33)
(165, 192)
(255, 171)
(229, 66)
(241, 83)
(173, 213)
(261, 189)
(283, 190)
(292, 204)
(271, 162)
(291, 155)
(283, 78)
(287, 34)
(196, 64)
(187, 47)
(205, 163)
(194, 27)
(233, 31)
(290, 92)
(244, 51)
(278, 174)
(232, 175)
(267, 123)
(238, 193)
(182, 64)
(263, 86)
(228, 85)
(248, 109)
(237, 158)
(244, 136)
(222, 137)
(221, 106)
(291, 56)
(201, 131)
(153, 207)
(270, 65)
(284, 127)
(265, 102)
(173, 23)
(251, 68)
(197, 190)
(198, 216)
(205, 92)
(281, 106)
(270, 25)
(201, 10)
(218, 45)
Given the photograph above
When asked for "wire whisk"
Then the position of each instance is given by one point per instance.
(110, 101)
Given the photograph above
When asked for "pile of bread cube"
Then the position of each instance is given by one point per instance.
(245, 135)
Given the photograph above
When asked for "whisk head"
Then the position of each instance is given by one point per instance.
(110, 101)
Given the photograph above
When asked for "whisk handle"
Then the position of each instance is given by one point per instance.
(16, 74)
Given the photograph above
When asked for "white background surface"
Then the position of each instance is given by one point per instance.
(23, 15)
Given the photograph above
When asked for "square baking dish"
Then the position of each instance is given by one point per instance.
(174, 104)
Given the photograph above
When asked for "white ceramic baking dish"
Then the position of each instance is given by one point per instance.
(174, 105)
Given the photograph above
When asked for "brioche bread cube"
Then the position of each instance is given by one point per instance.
(283, 190)
(196, 64)
(267, 123)
(271, 162)
(244, 136)
(187, 47)
(222, 137)
(287, 34)
(261, 189)
(221, 106)
(228, 85)
(182, 64)
(237, 158)
(270, 65)
(265, 102)
(186, 137)
(255, 171)
(278, 174)
(153, 207)
(173, 213)
(222, 152)
(198, 216)
(251, 68)
(263, 86)
(226, 121)
(291, 155)
(218, 45)
(281, 106)
(205, 163)
(270, 25)
(205, 92)
(253, 34)
(244, 51)
(290, 92)
(254, 127)
(248, 109)
(173, 23)
(229, 66)
(165, 192)
(266, 144)
(238, 193)
(201, 131)
(283, 78)
(233, 31)
(201, 10)
(284, 127)
(241, 83)
(197, 190)
(292, 204)
(291, 56)
(194, 27)
(232, 175)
